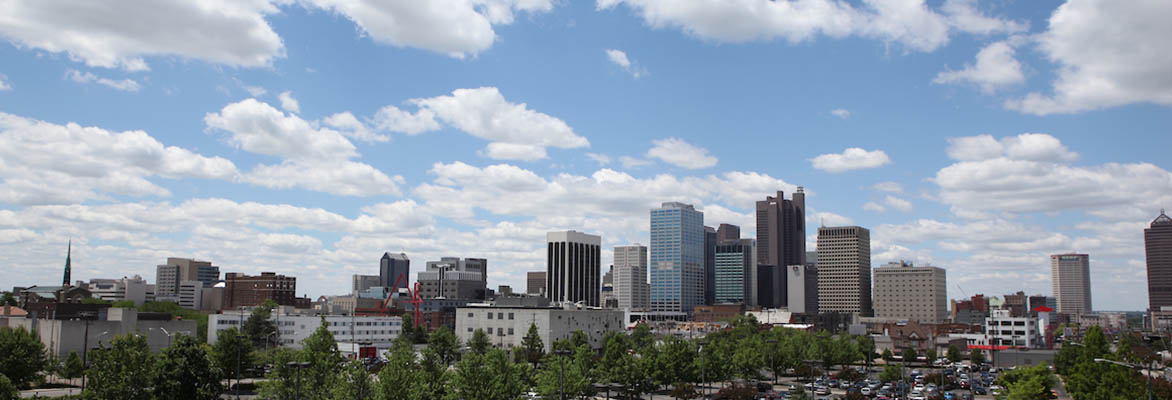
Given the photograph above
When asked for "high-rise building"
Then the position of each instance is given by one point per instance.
(607, 294)
(677, 258)
(1071, 278)
(169, 275)
(781, 229)
(395, 268)
(630, 282)
(801, 282)
(727, 233)
(844, 270)
(359, 283)
(535, 283)
(905, 291)
(573, 267)
(709, 265)
(242, 290)
(1158, 249)
(454, 278)
(734, 262)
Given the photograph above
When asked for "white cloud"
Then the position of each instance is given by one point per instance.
(888, 186)
(851, 159)
(457, 28)
(996, 68)
(908, 22)
(676, 151)
(619, 57)
(873, 206)
(601, 159)
(118, 34)
(633, 162)
(516, 132)
(313, 158)
(4, 83)
(840, 112)
(1026, 146)
(288, 103)
(125, 85)
(897, 203)
(46, 163)
(1105, 57)
(255, 91)
(351, 127)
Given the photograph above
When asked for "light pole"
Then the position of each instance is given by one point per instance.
(85, 346)
(299, 366)
(1143, 368)
(703, 375)
(562, 377)
(772, 365)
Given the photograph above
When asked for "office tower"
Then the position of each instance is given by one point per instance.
(734, 261)
(905, 291)
(801, 282)
(677, 258)
(1071, 278)
(709, 265)
(1158, 248)
(242, 290)
(573, 263)
(454, 278)
(608, 297)
(727, 233)
(844, 270)
(394, 271)
(359, 283)
(769, 282)
(781, 230)
(630, 282)
(169, 275)
(535, 283)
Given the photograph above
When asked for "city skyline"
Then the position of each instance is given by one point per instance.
(308, 140)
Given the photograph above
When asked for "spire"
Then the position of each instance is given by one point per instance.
(68, 253)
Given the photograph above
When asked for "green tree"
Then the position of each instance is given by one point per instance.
(122, 371)
(675, 363)
(642, 337)
(887, 356)
(22, 356)
(629, 369)
(953, 354)
(445, 344)
(259, 327)
(508, 378)
(431, 377)
(1028, 383)
(977, 356)
(7, 299)
(579, 339)
(8, 391)
(479, 343)
(909, 355)
(930, 355)
(320, 350)
(534, 347)
(563, 371)
(353, 383)
(280, 381)
(73, 368)
(891, 373)
(232, 352)
(486, 376)
(185, 371)
(394, 380)
(866, 346)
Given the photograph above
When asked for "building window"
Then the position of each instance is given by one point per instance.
(510, 316)
(510, 331)
(489, 315)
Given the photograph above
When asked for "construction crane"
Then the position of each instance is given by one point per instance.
(412, 294)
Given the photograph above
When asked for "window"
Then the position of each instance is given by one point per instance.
(469, 315)
(489, 331)
(469, 329)
(500, 315)
(510, 331)
(489, 315)
(510, 316)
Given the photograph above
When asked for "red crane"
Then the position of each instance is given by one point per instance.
(414, 295)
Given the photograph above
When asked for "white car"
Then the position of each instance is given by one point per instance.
(865, 391)
(916, 395)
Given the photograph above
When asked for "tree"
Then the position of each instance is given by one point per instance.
(7, 299)
(479, 342)
(561, 372)
(866, 345)
(122, 371)
(73, 367)
(534, 347)
(8, 391)
(486, 376)
(430, 378)
(320, 350)
(909, 355)
(353, 383)
(675, 363)
(280, 383)
(891, 373)
(394, 380)
(977, 356)
(887, 356)
(642, 337)
(445, 344)
(508, 378)
(185, 371)
(22, 356)
(629, 369)
(953, 354)
(930, 355)
(1028, 383)
(259, 327)
(232, 352)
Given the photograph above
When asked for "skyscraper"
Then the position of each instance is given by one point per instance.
(536, 283)
(727, 232)
(677, 257)
(734, 262)
(454, 278)
(844, 270)
(393, 267)
(781, 241)
(1071, 278)
(630, 281)
(1158, 249)
(710, 243)
(168, 276)
(906, 291)
(573, 266)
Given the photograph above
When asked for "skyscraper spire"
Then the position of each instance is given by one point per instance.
(68, 250)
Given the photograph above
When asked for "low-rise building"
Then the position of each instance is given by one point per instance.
(293, 328)
(1005, 331)
(97, 328)
(252, 290)
(506, 326)
(717, 312)
(134, 289)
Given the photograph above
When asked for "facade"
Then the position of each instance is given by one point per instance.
(535, 283)
(1003, 331)
(710, 242)
(191, 295)
(242, 290)
(573, 267)
(1158, 250)
(394, 270)
(168, 276)
(506, 326)
(801, 283)
(379, 331)
(1071, 278)
(360, 283)
(630, 281)
(905, 291)
(768, 286)
(64, 336)
(677, 258)
(734, 262)
(718, 312)
(607, 294)
(844, 270)
(454, 278)
(781, 239)
(727, 232)
(134, 289)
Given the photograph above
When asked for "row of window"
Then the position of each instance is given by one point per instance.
(499, 331)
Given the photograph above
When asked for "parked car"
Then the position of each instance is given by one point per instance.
(949, 396)
(822, 391)
(980, 390)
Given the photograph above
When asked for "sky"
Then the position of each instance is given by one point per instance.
(307, 137)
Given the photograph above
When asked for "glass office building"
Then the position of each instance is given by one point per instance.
(677, 258)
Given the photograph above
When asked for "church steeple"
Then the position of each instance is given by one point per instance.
(68, 252)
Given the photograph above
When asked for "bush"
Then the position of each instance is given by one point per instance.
(7, 389)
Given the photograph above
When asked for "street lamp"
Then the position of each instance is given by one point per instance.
(562, 378)
(300, 366)
(85, 346)
(1145, 370)
(772, 365)
(703, 376)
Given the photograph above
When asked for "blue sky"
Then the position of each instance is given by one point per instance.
(308, 137)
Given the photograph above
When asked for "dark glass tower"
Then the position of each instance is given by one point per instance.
(1158, 247)
(391, 267)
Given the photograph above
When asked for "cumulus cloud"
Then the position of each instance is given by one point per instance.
(349, 125)
(910, 23)
(633, 162)
(4, 83)
(288, 103)
(125, 85)
(851, 159)
(888, 186)
(1026, 146)
(619, 57)
(457, 28)
(1104, 57)
(515, 131)
(996, 68)
(47, 163)
(840, 112)
(676, 151)
(889, 202)
(314, 158)
(601, 159)
(117, 34)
